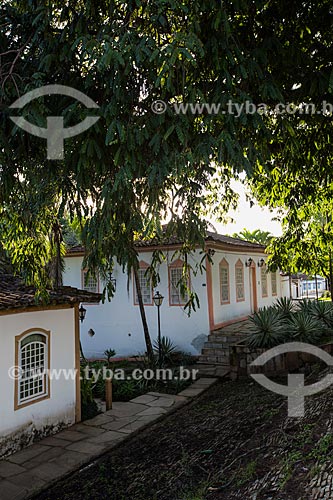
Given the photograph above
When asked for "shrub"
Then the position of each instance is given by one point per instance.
(168, 349)
(268, 328)
(305, 328)
(305, 305)
(99, 388)
(89, 407)
(285, 307)
(322, 311)
(109, 353)
(283, 322)
(89, 410)
(124, 390)
(181, 358)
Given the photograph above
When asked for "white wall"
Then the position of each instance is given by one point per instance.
(270, 299)
(233, 310)
(117, 323)
(60, 408)
(285, 288)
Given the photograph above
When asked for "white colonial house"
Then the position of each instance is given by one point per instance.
(309, 286)
(233, 285)
(36, 342)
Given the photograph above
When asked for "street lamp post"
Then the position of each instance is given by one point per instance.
(158, 299)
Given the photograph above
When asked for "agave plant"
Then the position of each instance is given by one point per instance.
(285, 306)
(322, 311)
(305, 328)
(268, 328)
(167, 349)
(306, 305)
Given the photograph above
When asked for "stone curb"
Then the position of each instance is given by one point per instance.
(23, 490)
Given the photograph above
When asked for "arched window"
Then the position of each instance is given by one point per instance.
(179, 279)
(264, 288)
(145, 285)
(274, 283)
(32, 361)
(224, 282)
(239, 281)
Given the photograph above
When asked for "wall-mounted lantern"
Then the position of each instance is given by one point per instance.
(82, 313)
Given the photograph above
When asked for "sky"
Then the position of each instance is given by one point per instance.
(249, 218)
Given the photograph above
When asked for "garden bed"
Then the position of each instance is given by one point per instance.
(232, 442)
(127, 387)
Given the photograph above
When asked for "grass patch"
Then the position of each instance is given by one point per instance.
(247, 473)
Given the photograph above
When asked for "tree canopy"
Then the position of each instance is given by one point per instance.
(306, 242)
(256, 236)
(135, 168)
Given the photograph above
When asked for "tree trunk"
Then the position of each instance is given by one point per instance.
(149, 346)
(331, 272)
(82, 353)
(328, 219)
(56, 265)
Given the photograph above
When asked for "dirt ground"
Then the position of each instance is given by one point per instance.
(234, 442)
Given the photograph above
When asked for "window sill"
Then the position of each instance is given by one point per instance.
(18, 406)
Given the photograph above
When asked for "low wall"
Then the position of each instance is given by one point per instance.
(242, 356)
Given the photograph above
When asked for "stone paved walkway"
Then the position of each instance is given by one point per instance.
(213, 370)
(26, 472)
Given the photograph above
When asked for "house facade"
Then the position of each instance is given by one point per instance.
(38, 346)
(302, 286)
(311, 286)
(233, 284)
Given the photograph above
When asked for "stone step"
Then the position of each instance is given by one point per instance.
(213, 370)
(216, 338)
(216, 345)
(216, 352)
(224, 339)
(213, 359)
(223, 360)
(215, 363)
